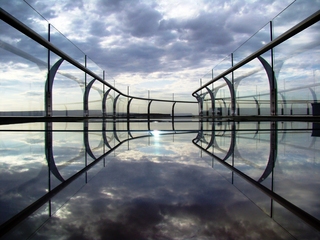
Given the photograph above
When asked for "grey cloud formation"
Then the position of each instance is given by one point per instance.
(142, 38)
(145, 200)
(141, 42)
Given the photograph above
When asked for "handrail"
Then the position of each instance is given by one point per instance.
(11, 20)
(283, 37)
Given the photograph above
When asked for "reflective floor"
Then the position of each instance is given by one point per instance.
(160, 180)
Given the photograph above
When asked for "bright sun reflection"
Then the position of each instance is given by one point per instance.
(155, 133)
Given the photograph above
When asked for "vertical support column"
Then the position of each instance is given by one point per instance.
(48, 89)
(234, 139)
(103, 92)
(85, 111)
(86, 141)
(49, 85)
(128, 116)
(48, 152)
(273, 86)
(273, 156)
(233, 96)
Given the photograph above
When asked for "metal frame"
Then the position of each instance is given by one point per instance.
(15, 23)
(269, 46)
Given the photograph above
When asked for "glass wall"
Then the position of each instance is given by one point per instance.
(283, 80)
(60, 81)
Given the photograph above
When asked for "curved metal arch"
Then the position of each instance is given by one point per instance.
(284, 103)
(272, 154)
(272, 85)
(104, 135)
(104, 99)
(257, 104)
(232, 94)
(172, 115)
(149, 106)
(49, 152)
(86, 140)
(200, 103)
(128, 117)
(313, 93)
(86, 97)
(115, 105)
(48, 86)
(212, 100)
(212, 139)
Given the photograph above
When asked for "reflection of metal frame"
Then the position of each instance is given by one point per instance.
(311, 220)
(26, 212)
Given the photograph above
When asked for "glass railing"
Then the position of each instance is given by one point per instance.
(271, 76)
(76, 85)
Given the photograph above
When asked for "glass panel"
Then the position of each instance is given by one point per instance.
(65, 45)
(297, 70)
(95, 99)
(25, 14)
(186, 109)
(23, 74)
(138, 107)
(164, 108)
(92, 66)
(68, 90)
(252, 89)
(122, 106)
(254, 43)
(223, 97)
(224, 65)
(295, 13)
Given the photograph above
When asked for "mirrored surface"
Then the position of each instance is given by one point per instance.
(159, 180)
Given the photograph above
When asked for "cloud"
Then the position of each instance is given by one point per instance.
(135, 38)
(152, 200)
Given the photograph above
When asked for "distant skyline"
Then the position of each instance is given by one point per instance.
(164, 46)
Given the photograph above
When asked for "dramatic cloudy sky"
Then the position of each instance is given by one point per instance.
(167, 44)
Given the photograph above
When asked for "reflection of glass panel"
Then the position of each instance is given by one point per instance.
(23, 171)
(164, 169)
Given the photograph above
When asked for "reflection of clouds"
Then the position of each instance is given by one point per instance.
(159, 197)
